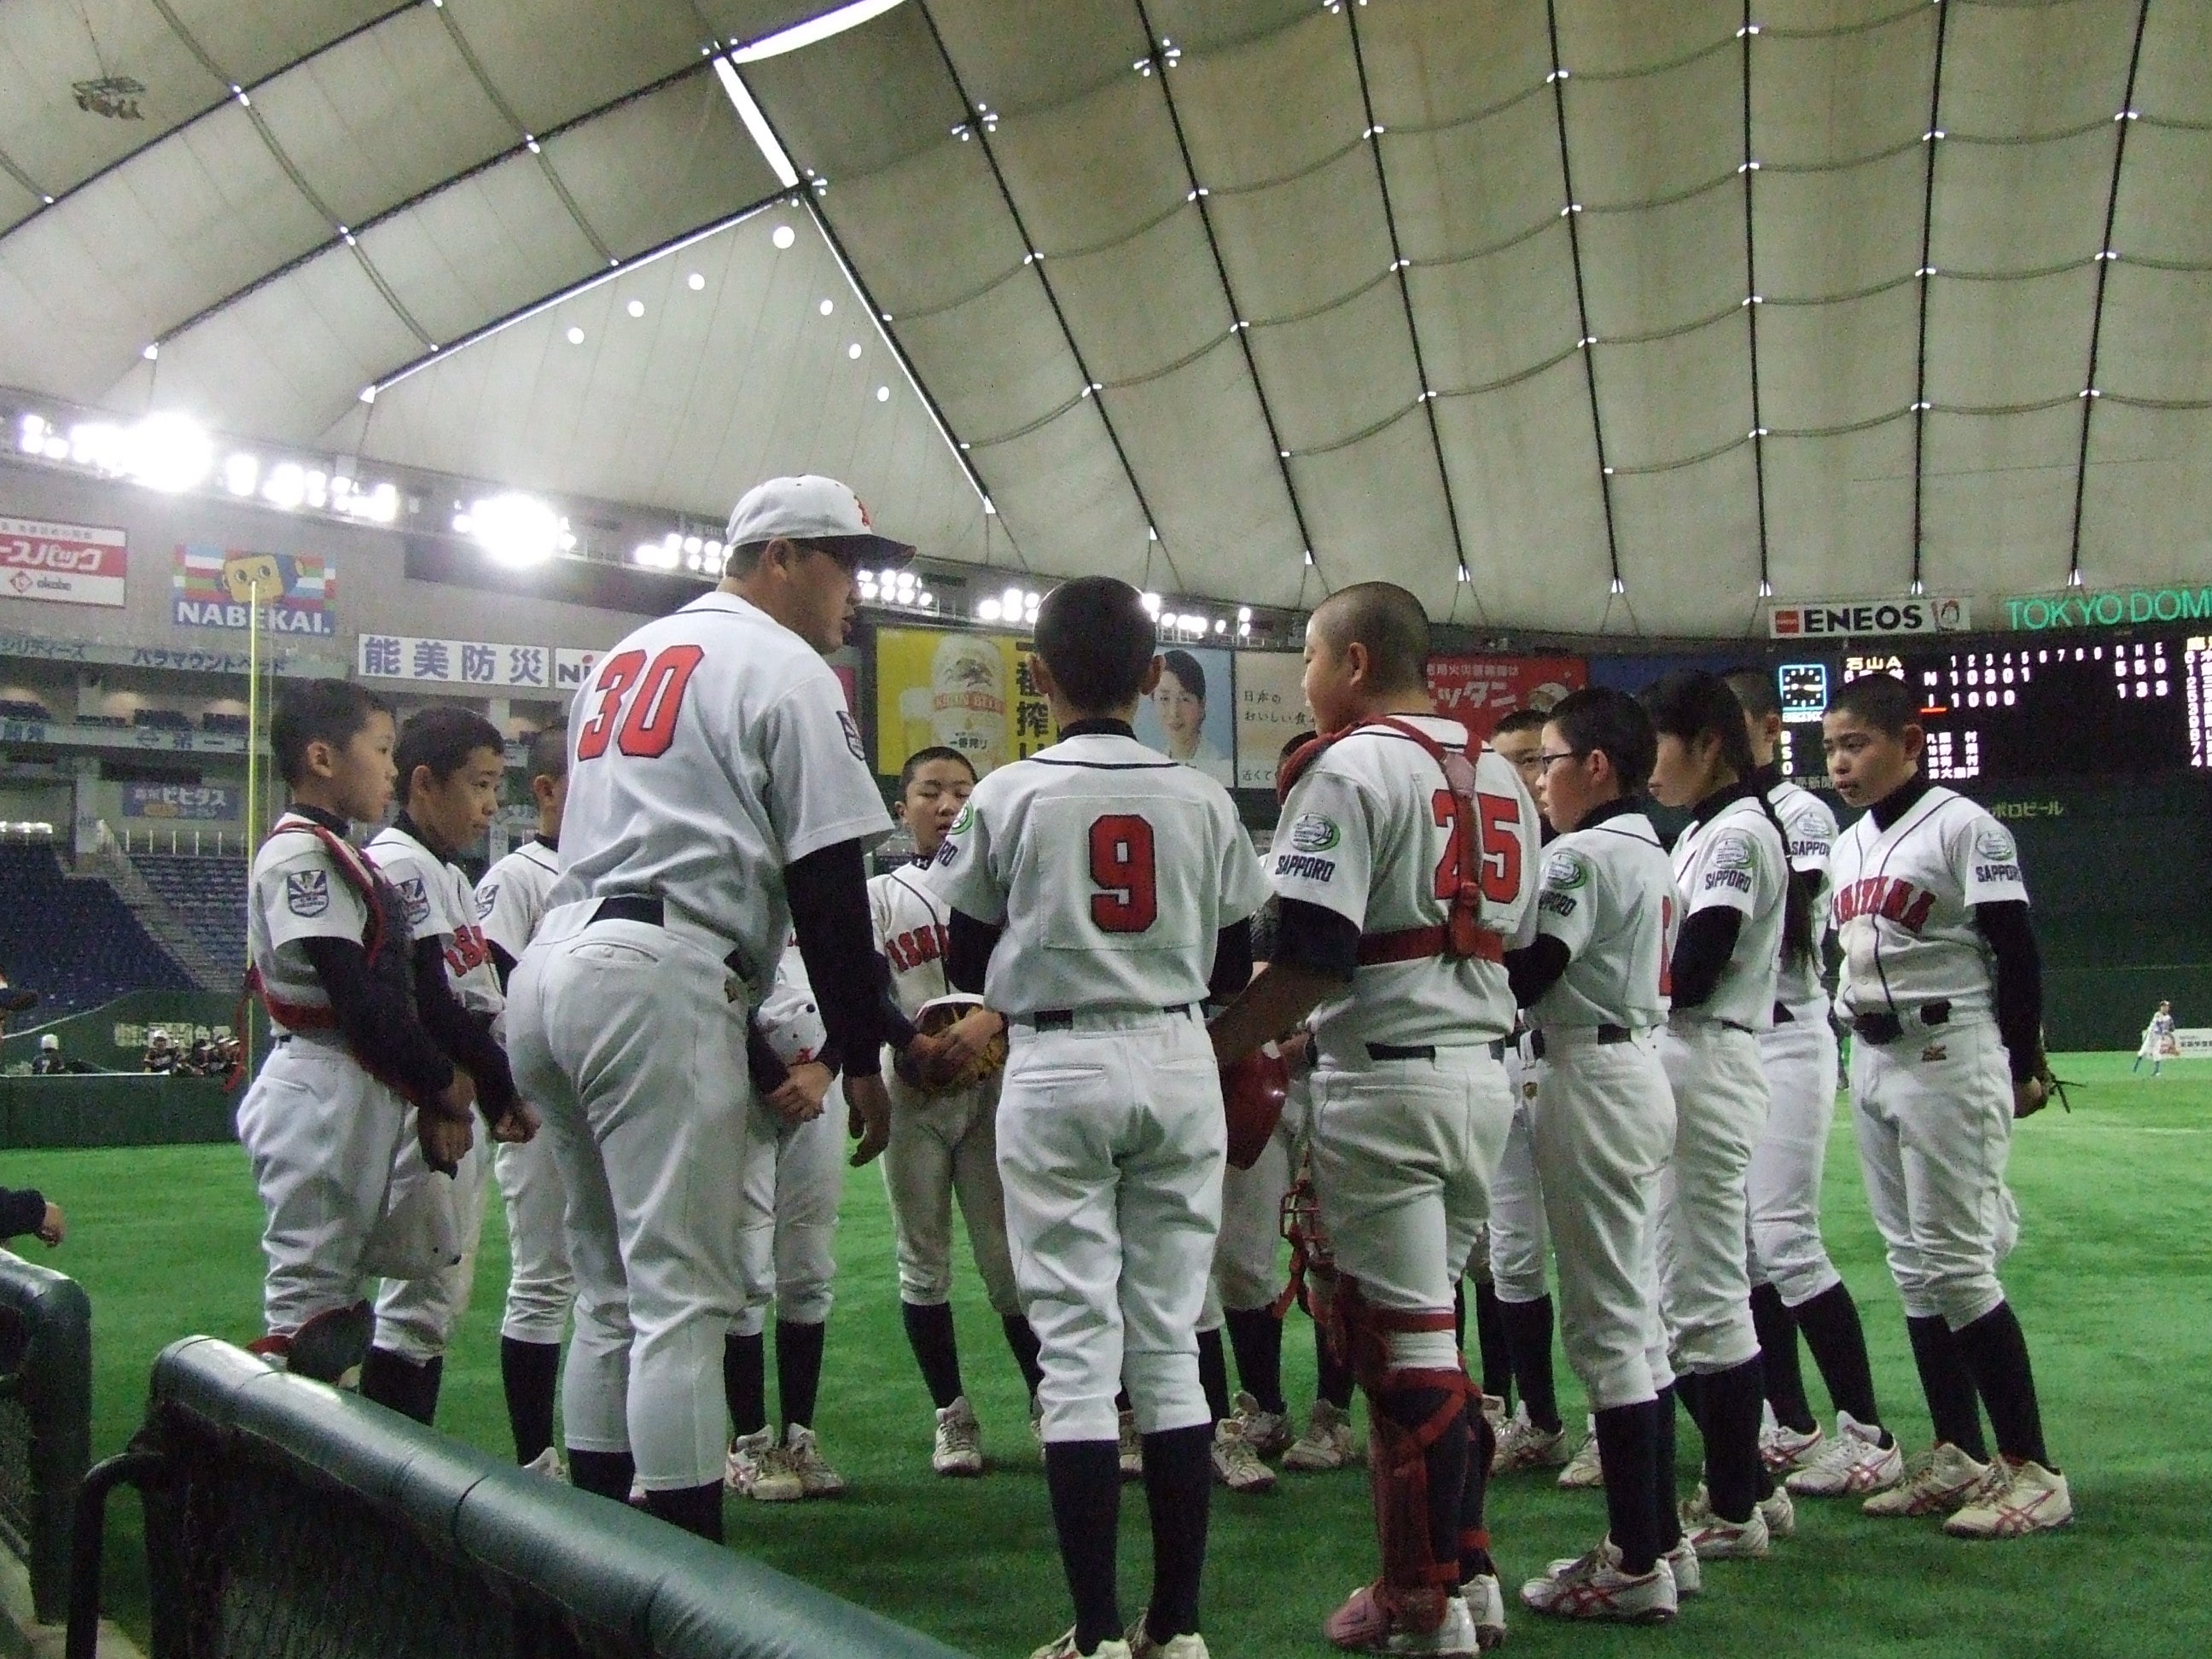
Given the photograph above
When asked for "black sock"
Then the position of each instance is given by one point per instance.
(1085, 1480)
(1949, 1386)
(1024, 1342)
(797, 1370)
(1625, 1443)
(1331, 1376)
(1664, 1475)
(929, 1330)
(1178, 1486)
(1528, 1342)
(1445, 1459)
(695, 1508)
(1490, 1341)
(1997, 1353)
(607, 1474)
(402, 1385)
(1257, 1337)
(1689, 1393)
(745, 1383)
(1213, 1372)
(1735, 1475)
(1830, 1323)
(529, 1375)
(1784, 1378)
(1474, 1486)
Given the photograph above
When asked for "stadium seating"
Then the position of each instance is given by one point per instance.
(74, 942)
(23, 708)
(162, 720)
(208, 895)
(234, 724)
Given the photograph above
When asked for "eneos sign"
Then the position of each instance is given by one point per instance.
(1918, 615)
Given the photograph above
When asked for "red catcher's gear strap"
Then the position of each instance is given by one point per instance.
(300, 1016)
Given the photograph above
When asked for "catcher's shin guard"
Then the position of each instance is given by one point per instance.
(327, 1346)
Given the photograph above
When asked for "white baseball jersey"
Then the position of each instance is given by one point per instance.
(1367, 832)
(298, 892)
(438, 902)
(1810, 827)
(1608, 894)
(511, 899)
(1903, 905)
(711, 750)
(912, 931)
(1112, 869)
(1736, 860)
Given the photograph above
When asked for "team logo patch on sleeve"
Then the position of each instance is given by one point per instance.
(487, 900)
(1995, 843)
(852, 736)
(1564, 870)
(1312, 833)
(415, 900)
(307, 892)
(1732, 852)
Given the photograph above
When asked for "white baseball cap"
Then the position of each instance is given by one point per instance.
(50, 1040)
(812, 508)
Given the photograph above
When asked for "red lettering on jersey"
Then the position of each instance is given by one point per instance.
(909, 951)
(1890, 898)
(468, 950)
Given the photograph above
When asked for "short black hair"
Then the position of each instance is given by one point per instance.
(1689, 703)
(549, 753)
(1881, 701)
(1521, 720)
(1754, 689)
(921, 757)
(318, 711)
(1096, 639)
(442, 737)
(1389, 621)
(1600, 719)
(1185, 667)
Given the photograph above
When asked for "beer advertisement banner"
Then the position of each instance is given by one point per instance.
(214, 587)
(1271, 710)
(973, 692)
(1480, 691)
(66, 563)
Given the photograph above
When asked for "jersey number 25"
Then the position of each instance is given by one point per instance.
(1497, 844)
(651, 726)
(1123, 869)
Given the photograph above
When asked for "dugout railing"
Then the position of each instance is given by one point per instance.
(45, 1422)
(286, 1519)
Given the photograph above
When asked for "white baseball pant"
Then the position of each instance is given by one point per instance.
(794, 1177)
(1783, 1186)
(1603, 1130)
(630, 1039)
(541, 1287)
(415, 1318)
(1112, 1139)
(1720, 1112)
(1517, 1241)
(1245, 1272)
(322, 1136)
(1933, 1113)
(941, 1148)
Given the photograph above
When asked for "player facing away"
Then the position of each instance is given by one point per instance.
(718, 794)
(1942, 988)
(511, 901)
(944, 1143)
(1406, 868)
(1099, 893)
(1593, 981)
(356, 1074)
(2158, 1044)
(1794, 1287)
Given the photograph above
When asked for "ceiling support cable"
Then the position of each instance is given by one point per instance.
(1753, 300)
(1933, 140)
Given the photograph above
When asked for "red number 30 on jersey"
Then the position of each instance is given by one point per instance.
(659, 698)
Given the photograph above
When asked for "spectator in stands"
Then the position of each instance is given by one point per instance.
(27, 1211)
(160, 1055)
(49, 1061)
(199, 1058)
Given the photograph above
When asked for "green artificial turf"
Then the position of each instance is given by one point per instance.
(2111, 1281)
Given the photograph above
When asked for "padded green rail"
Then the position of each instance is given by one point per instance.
(285, 1517)
(45, 1421)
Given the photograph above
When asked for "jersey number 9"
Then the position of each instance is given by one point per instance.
(1122, 867)
(651, 726)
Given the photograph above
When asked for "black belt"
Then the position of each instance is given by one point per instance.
(1882, 1028)
(1063, 1019)
(1423, 1050)
(648, 908)
(1783, 1016)
(1614, 1034)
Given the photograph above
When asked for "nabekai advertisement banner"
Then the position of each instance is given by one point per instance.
(214, 586)
(1480, 691)
(972, 692)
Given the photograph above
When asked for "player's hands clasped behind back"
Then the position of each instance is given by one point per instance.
(797, 1099)
(516, 1125)
(446, 1127)
(867, 1117)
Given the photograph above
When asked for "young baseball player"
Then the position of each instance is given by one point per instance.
(944, 1144)
(1100, 892)
(1595, 984)
(450, 762)
(1405, 869)
(357, 1074)
(511, 902)
(718, 792)
(1942, 988)
(1793, 1285)
(2158, 1043)
(1740, 916)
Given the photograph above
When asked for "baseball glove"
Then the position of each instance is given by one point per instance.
(936, 1017)
(1253, 1090)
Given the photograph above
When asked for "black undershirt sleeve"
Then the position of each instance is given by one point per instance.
(968, 955)
(378, 1020)
(21, 1212)
(762, 1063)
(502, 964)
(1535, 969)
(1316, 938)
(1233, 961)
(829, 895)
(1702, 951)
(2018, 980)
(464, 1034)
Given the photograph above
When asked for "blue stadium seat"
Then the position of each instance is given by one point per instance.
(74, 942)
(208, 895)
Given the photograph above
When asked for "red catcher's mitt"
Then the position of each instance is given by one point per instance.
(1253, 1090)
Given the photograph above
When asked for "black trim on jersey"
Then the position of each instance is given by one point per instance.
(1767, 778)
(330, 821)
(1619, 806)
(550, 843)
(437, 849)
(1897, 802)
(1097, 728)
(1720, 799)
(1104, 728)
(1316, 938)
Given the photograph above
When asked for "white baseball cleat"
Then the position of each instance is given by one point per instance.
(1189, 1645)
(1593, 1586)
(816, 1477)
(1715, 1540)
(742, 1470)
(1937, 1482)
(958, 1450)
(1493, 1410)
(1782, 1448)
(1236, 1464)
(2016, 1499)
(1132, 1448)
(1268, 1433)
(1779, 1514)
(1063, 1647)
(1854, 1464)
(1682, 1562)
(1584, 1470)
(1327, 1444)
(547, 1463)
(1364, 1623)
(1522, 1445)
(1485, 1606)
